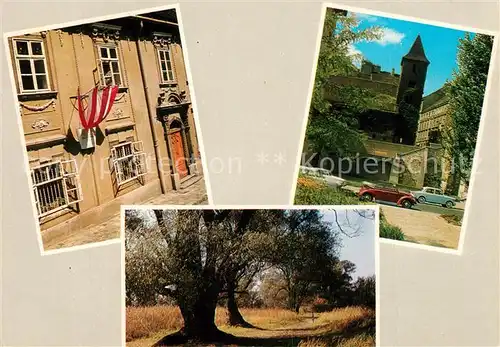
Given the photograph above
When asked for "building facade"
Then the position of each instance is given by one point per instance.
(147, 143)
(434, 115)
(385, 120)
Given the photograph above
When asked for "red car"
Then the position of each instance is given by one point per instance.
(403, 199)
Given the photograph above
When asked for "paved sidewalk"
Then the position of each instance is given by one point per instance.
(110, 229)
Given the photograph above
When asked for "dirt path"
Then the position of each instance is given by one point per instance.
(423, 227)
(305, 331)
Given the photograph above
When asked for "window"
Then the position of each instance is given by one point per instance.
(110, 66)
(31, 66)
(129, 161)
(412, 84)
(167, 72)
(56, 185)
(414, 68)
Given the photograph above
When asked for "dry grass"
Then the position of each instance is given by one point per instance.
(357, 341)
(346, 327)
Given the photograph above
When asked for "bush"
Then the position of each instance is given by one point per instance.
(312, 192)
(389, 231)
(452, 219)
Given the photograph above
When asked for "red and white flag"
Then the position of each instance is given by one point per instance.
(98, 106)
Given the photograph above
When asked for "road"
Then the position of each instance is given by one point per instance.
(438, 209)
(423, 222)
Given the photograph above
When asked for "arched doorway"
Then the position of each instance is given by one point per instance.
(176, 137)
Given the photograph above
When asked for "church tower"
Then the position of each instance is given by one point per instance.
(413, 73)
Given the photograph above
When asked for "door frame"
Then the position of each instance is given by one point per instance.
(174, 123)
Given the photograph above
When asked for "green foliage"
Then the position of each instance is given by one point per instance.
(389, 231)
(410, 115)
(364, 292)
(335, 130)
(305, 248)
(197, 258)
(325, 195)
(466, 92)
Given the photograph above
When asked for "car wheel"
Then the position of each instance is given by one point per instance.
(406, 203)
(421, 199)
(368, 197)
(449, 204)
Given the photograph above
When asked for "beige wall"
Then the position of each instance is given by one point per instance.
(72, 61)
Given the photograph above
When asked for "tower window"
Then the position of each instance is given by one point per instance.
(414, 68)
(412, 84)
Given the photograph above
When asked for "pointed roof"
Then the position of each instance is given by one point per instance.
(417, 51)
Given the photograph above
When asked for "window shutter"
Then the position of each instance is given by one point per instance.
(71, 181)
(35, 193)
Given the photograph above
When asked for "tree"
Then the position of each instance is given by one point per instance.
(336, 129)
(466, 93)
(203, 250)
(142, 261)
(364, 292)
(407, 123)
(337, 287)
(307, 246)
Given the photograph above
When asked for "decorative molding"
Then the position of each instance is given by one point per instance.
(171, 96)
(60, 35)
(162, 39)
(105, 32)
(45, 142)
(40, 124)
(120, 97)
(118, 113)
(52, 94)
(43, 34)
(39, 108)
(81, 39)
(110, 129)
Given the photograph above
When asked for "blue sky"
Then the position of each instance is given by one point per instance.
(359, 249)
(440, 46)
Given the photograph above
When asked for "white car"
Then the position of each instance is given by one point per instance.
(324, 176)
(434, 196)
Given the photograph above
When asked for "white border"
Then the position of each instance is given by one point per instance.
(375, 208)
(476, 158)
(6, 37)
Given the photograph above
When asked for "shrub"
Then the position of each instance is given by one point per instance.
(389, 231)
(312, 192)
(452, 219)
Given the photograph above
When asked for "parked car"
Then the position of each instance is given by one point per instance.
(324, 176)
(434, 196)
(387, 194)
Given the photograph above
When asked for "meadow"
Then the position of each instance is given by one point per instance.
(350, 326)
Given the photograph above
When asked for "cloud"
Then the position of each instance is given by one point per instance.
(366, 17)
(390, 37)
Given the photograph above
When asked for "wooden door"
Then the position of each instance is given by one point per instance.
(178, 152)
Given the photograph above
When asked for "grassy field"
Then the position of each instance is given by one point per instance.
(346, 327)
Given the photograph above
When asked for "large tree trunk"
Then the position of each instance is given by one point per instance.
(235, 317)
(199, 318)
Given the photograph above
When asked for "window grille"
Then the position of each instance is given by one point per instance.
(129, 161)
(56, 186)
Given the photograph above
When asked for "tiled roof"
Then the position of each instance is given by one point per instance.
(417, 51)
